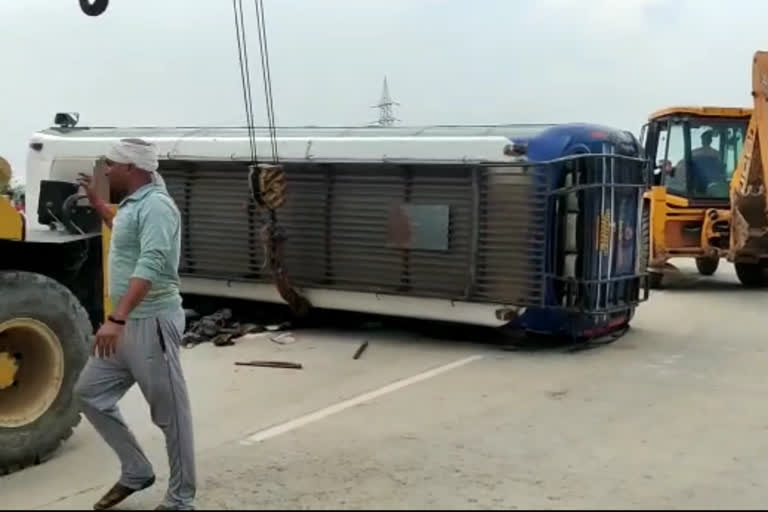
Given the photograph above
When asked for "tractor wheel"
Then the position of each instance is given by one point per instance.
(646, 236)
(751, 275)
(707, 266)
(655, 280)
(44, 339)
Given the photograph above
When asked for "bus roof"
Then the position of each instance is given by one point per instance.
(440, 143)
(503, 130)
(303, 143)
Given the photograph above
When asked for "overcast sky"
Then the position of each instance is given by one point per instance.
(174, 62)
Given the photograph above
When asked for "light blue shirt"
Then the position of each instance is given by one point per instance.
(146, 244)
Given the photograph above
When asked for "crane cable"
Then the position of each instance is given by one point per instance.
(267, 77)
(245, 74)
(266, 181)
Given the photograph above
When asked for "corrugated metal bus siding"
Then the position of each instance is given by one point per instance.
(447, 272)
(336, 219)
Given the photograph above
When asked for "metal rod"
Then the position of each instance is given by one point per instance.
(639, 236)
(599, 232)
(613, 226)
(360, 350)
(271, 364)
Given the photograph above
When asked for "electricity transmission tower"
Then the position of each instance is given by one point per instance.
(386, 112)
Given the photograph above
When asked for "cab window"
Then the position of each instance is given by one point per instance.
(658, 141)
(676, 176)
(734, 145)
(701, 156)
(716, 148)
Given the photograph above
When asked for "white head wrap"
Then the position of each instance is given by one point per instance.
(138, 152)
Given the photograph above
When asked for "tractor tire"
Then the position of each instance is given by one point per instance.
(47, 332)
(707, 266)
(751, 275)
(646, 234)
(654, 278)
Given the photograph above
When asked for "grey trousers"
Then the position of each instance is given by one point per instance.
(148, 355)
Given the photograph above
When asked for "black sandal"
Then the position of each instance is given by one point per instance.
(118, 493)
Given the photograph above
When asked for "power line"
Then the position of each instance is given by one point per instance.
(385, 106)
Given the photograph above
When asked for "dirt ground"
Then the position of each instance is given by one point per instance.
(672, 415)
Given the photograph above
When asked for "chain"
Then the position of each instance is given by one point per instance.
(266, 181)
(268, 189)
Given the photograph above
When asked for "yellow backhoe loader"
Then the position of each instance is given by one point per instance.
(51, 296)
(708, 197)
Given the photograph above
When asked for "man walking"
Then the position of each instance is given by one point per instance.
(140, 341)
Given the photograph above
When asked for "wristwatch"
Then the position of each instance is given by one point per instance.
(115, 320)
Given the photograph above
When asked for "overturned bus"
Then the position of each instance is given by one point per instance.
(536, 227)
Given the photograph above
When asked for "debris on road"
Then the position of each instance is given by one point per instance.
(278, 327)
(283, 339)
(271, 364)
(558, 395)
(360, 350)
(219, 328)
(191, 315)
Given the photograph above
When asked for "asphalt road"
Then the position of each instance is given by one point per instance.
(673, 415)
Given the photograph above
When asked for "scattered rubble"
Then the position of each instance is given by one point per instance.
(283, 339)
(219, 328)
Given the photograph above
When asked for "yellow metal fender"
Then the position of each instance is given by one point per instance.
(658, 217)
(11, 221)
(106, 239)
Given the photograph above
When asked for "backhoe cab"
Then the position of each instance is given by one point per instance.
(708, 195)
(694, 153)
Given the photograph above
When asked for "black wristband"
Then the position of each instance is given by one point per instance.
(115, 320)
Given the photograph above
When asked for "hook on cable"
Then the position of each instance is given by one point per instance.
(94, 7)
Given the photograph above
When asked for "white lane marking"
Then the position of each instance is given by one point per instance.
(301, 421)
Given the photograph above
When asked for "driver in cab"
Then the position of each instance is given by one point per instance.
(707, 169)
(705, 150)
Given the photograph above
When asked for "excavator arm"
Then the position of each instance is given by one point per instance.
(749, 184)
